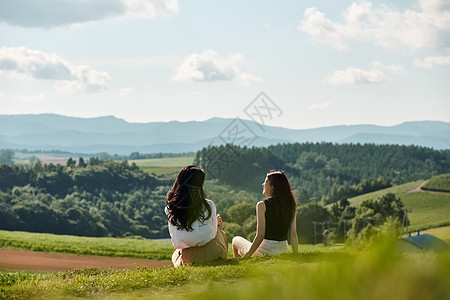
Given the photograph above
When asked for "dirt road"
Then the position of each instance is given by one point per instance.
(40, 261)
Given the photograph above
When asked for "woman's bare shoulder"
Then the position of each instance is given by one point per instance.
(261, 205)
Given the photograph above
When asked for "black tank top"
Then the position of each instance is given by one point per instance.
(276, 226)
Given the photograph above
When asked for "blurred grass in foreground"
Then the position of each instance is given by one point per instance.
(375, 272)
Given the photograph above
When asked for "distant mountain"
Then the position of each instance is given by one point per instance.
(113, 135)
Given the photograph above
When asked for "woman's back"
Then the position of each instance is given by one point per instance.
(276, 225)
(201, 233)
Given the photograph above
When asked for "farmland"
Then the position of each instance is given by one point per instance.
(163, 168)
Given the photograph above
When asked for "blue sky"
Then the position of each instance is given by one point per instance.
(322, 62)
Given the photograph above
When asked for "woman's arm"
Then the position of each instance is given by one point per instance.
(293, 235)
(260, 227)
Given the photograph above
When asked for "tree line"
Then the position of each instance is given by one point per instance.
(90, 198)
(324, 172)
(106, 198)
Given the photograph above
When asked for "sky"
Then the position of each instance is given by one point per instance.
(318, 63)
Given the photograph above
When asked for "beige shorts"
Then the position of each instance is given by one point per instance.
(267, 247)
(214, 249)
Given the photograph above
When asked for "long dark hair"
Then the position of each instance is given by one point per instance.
(285, 202)
(186, 200)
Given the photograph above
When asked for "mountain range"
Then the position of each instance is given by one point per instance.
(117, 136)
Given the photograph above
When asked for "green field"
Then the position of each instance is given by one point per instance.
(164, 162)
(104, 246)
(427, 210)
(162, 172)
(163, 168)
(438, 183)
(441, 232)
(398, 190)
(378, 273)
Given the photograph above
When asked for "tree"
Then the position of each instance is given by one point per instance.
(71, 163)
(239, 213)
(34, 160)
(311, 161)
(306, 215)
(302, 195)
(6, 157)
(81, 163)
(376, 212)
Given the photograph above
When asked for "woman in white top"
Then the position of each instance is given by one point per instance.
(193, 225)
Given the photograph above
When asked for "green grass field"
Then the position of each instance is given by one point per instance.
(120, 247)
(377, 273)
(398, 190)
(163, 168)
(164, 162)
(162, 172)
(438, 183)
(427, 210)
(441, 232)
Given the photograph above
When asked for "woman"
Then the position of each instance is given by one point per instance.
(275, 218)
(193, 225)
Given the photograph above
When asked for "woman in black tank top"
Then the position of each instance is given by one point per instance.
(275, 220)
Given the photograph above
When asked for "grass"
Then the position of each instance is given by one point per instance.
(115, 247)
(118, 247)
(441, 232)
(378, 272)
(163, 168)
(438, 183)
(398, 190)
(164, 162)
(427, 210)
(169, 173)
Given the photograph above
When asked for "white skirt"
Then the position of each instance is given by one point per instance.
(267, 247)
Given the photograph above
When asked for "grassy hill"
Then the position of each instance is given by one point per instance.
(426, 209)
(163, 168)
(438, 183)
(398, 190)
(164, 162)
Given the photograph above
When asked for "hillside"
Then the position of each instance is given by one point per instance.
(113, 135)
(425, 209)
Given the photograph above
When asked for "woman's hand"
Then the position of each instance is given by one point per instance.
(219, 221)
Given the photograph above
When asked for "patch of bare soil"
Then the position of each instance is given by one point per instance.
(39, 261)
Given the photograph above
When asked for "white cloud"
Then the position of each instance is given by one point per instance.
(432, 61)
(359, 76)
(396, 69)
(208, 66)
(51, 13)
(32, 99)
(426, 27)
(315, 106)
(150, 8)
(23, 62)
(126, 91)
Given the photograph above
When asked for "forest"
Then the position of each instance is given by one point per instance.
(107, 198)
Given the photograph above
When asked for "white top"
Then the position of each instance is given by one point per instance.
(201, 233)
